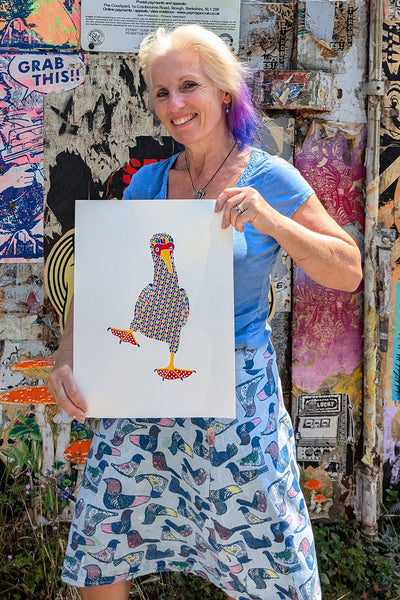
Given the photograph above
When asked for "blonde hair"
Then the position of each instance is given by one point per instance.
(219, 63)
(217, 59)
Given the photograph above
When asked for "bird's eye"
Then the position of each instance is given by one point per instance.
(171, 247)
(157, 249)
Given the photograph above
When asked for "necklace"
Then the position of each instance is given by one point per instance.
(200, 193)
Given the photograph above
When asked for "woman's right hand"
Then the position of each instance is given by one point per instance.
(63, 387)
(62, 384)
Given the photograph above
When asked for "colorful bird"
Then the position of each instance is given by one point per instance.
(124, 427)
(271, 423)
(183, 530)
(129, 468)
(113, 497)
(199, 476)
(258, 575)
(256, 457)
(245, 393)
(92, 476)
(244, 429)
(259, 501)
(279, 456)
(103, 449)
(153, 511)
(178, 443)
(219, 497)
(94, 516)
(256, 543)
(106, 555)
(251, 518)
(134, 539)
(243, 477)
(121, 526)
(225, 533)
(162, 307)
(147, 442)
(158, 483)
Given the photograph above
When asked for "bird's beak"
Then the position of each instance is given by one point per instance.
(165, 255)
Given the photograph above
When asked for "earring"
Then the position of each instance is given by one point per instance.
(227, 110)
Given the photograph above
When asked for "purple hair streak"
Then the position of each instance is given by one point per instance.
(242, 118)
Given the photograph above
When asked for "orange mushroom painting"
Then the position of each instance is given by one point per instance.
(318, 503)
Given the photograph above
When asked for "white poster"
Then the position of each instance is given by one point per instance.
(121, 26)
(153, 309)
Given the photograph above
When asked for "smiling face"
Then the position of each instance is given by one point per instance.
(186, 99)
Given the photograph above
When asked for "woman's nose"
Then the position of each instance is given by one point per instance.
(176, 100)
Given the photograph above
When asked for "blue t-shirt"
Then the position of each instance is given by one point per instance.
(282, 186)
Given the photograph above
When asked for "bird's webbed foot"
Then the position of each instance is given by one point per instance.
(124, 335)
(171, 374)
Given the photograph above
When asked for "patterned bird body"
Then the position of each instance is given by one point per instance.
(162, 307)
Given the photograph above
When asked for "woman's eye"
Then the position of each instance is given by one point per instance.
(189, 85)
(162, 93)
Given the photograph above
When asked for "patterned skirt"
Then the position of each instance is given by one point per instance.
(218, 498)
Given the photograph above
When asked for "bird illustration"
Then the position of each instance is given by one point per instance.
(285, 561)
(276, 492)
(152, 511)
(255, 543)
(271, 423)
(198, 476)
(245, 393)
(178, 443)
(225, 533)
(251, 518)
(128, 469)
(124, 427)
(183, 530)
(201, 504)
(280, 457)
(278, 528)
(218, 457)
(147, 442)
(158, 483)
(153, 553)
(243, 477)
(185, 551)
(95, 577)
(308, 551)
(92, 476)
(103, 449)
(134, 539)
(121, 526)
(106, 555)
(259, 501)
(94, 516)
(270, 387)
(113, 498)
(160, 462)
(238, 550)
(244, 429)
(79, 540)
(162, 307)
(295, 487)
(256, 457)
(184, 566)
(219, 497)
(258, 575)
(199, 448)
(73, 564)
(176, 488)
(133, 559)
(187, 511)
(311, 588)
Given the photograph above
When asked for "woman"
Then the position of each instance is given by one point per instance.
(225, 501)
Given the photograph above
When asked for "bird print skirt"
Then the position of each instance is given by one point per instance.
(218, 498)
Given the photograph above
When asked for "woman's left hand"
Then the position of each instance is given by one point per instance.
(245, 205)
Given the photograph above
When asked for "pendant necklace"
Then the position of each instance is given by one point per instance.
(200, 193)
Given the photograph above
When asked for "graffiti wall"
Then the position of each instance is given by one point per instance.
(388, 219)
(75, 125)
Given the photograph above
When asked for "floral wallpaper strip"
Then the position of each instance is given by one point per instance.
(327, 324)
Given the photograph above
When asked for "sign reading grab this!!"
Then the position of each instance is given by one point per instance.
(46, 73)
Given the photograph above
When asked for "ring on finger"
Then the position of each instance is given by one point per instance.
(239, 208)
